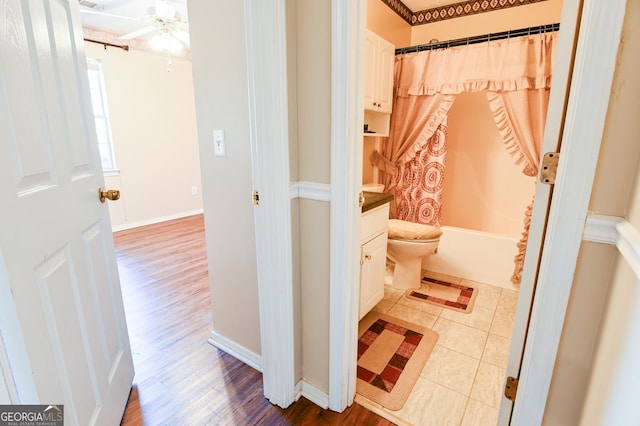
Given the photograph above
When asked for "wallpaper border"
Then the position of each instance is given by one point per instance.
(455, 10)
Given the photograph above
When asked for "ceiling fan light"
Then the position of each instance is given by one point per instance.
(165, 43)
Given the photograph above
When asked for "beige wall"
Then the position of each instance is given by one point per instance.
(221, 97)
(314, 165)
(154, 135)
(387, 24)
(545, 12)
(314, 90)
(603, 283)
(221, 102)
(614, 385)
(483, 188)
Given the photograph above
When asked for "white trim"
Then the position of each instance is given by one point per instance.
(153, 221)
(310, 191)
(601, 229)
(593, 71)
(617, 231)
(241, 353)
(629, 245)
(265, 27)
(347, 116)
(313, 394)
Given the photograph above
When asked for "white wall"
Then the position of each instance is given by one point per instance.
(154, 135)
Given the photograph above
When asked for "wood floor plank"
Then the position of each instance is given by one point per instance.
(181, 379)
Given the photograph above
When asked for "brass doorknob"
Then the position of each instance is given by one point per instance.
(112, 194)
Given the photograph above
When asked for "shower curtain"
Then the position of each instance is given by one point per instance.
(418, 183)
(426, 84)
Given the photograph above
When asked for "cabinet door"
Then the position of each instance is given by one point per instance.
(386, 59)
(373, 260)
(370, 81)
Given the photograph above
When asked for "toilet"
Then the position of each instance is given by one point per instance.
(408, 243)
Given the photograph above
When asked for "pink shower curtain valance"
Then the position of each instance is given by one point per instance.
(505, 65)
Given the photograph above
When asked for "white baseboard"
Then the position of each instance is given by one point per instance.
(155, 220)
(312, 393)
(239, 352)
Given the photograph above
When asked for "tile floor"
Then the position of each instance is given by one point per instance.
(461, 384)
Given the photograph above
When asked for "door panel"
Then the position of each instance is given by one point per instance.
(55, 235)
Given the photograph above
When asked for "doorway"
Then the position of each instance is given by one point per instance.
(556, 112)
(158, 222)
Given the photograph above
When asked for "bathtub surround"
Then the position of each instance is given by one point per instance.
(391, 355)
(474, 255)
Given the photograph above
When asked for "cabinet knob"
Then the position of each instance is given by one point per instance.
(367, 257)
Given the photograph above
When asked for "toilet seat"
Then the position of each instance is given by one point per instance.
(433, 240)
(402, 230)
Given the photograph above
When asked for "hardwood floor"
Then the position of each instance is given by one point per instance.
(180, 378)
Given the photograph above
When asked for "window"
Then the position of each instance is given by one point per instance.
(101, 115)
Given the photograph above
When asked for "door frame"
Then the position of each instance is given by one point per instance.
(592, 77)
(266, 44)
(594, 64)
(348, 22)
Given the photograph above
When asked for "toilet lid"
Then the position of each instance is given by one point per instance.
(403, 230)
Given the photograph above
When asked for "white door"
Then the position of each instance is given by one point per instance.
(63, 336)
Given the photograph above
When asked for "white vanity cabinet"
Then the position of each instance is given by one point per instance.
(379, 58)
(378, 83)
(373, 257)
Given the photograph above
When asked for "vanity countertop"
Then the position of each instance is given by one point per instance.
(375, 199)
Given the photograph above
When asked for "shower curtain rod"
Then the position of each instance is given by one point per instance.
(105, 44)
(479, 39)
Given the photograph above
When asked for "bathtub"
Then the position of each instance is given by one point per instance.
(474, 255)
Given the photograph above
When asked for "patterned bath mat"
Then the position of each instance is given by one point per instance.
(441, 293)
(391, 355)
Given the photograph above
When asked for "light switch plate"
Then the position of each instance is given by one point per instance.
(219, 145)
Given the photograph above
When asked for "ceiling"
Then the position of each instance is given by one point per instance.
(120, 17)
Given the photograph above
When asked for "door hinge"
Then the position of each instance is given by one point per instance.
(256, 197)
(549, 167)
(511, 388)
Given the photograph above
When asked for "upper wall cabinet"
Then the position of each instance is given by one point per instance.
(379, 57)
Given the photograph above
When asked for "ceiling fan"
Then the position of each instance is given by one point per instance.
(171, 32)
